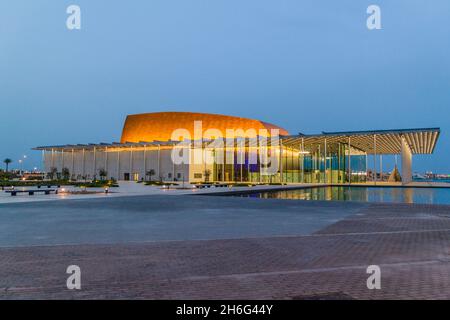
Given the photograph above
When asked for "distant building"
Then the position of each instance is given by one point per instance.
(148, 142)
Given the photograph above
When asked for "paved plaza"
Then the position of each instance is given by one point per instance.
(131, 188)
(210, 247)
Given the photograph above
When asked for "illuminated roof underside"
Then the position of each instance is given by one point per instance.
(421, 141)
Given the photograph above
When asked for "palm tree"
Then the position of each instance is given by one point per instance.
(65, 173)
(150, 173)
(7, 161)
(207, 173)
(52, 172)
(102, 173)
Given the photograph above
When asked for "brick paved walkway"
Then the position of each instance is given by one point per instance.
(411, 243)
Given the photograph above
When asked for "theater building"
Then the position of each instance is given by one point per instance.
(147, 145)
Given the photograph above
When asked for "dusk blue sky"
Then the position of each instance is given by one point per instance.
(307, 66)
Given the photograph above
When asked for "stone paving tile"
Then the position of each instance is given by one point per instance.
(388, 218)
(414, 258)
(404, 210)
(387, 225)
(428, 281)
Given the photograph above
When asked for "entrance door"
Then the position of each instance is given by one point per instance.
(126, 176)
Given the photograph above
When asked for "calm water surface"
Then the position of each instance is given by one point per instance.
(367, 194)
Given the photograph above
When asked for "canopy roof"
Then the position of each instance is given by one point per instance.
(421, 141)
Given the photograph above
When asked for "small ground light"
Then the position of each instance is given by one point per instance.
(106, 190)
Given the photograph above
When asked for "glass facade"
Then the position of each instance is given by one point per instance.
(313, 163)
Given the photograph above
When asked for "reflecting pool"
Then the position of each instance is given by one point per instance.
(367, 194)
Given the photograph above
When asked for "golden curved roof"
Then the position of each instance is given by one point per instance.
(159, 126)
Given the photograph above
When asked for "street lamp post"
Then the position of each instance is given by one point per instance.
(21, 165)
(20, 171)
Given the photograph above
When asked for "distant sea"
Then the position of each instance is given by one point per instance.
(433, 180)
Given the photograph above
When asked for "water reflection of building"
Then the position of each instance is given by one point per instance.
(146, 146)
(409, 195)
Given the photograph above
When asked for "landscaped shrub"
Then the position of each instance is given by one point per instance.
(96, 184)
(159, 183)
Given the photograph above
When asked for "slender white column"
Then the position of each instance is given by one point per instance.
(131, 164)
(241, 153)
(145, 162)
(173, 170)
(406, 162)
(84, 163)
(325, 161)
(248, 162)
(303, 160)
(319, 152)
(281, 162)
(367, 167)
(223, 168)
(159, 162)
(375, 158)
(339, 162)
(106, 159)
(118, 164)
(95, 162)
(349, 165)
(73, 162)
(381, 167)
(258, 157)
